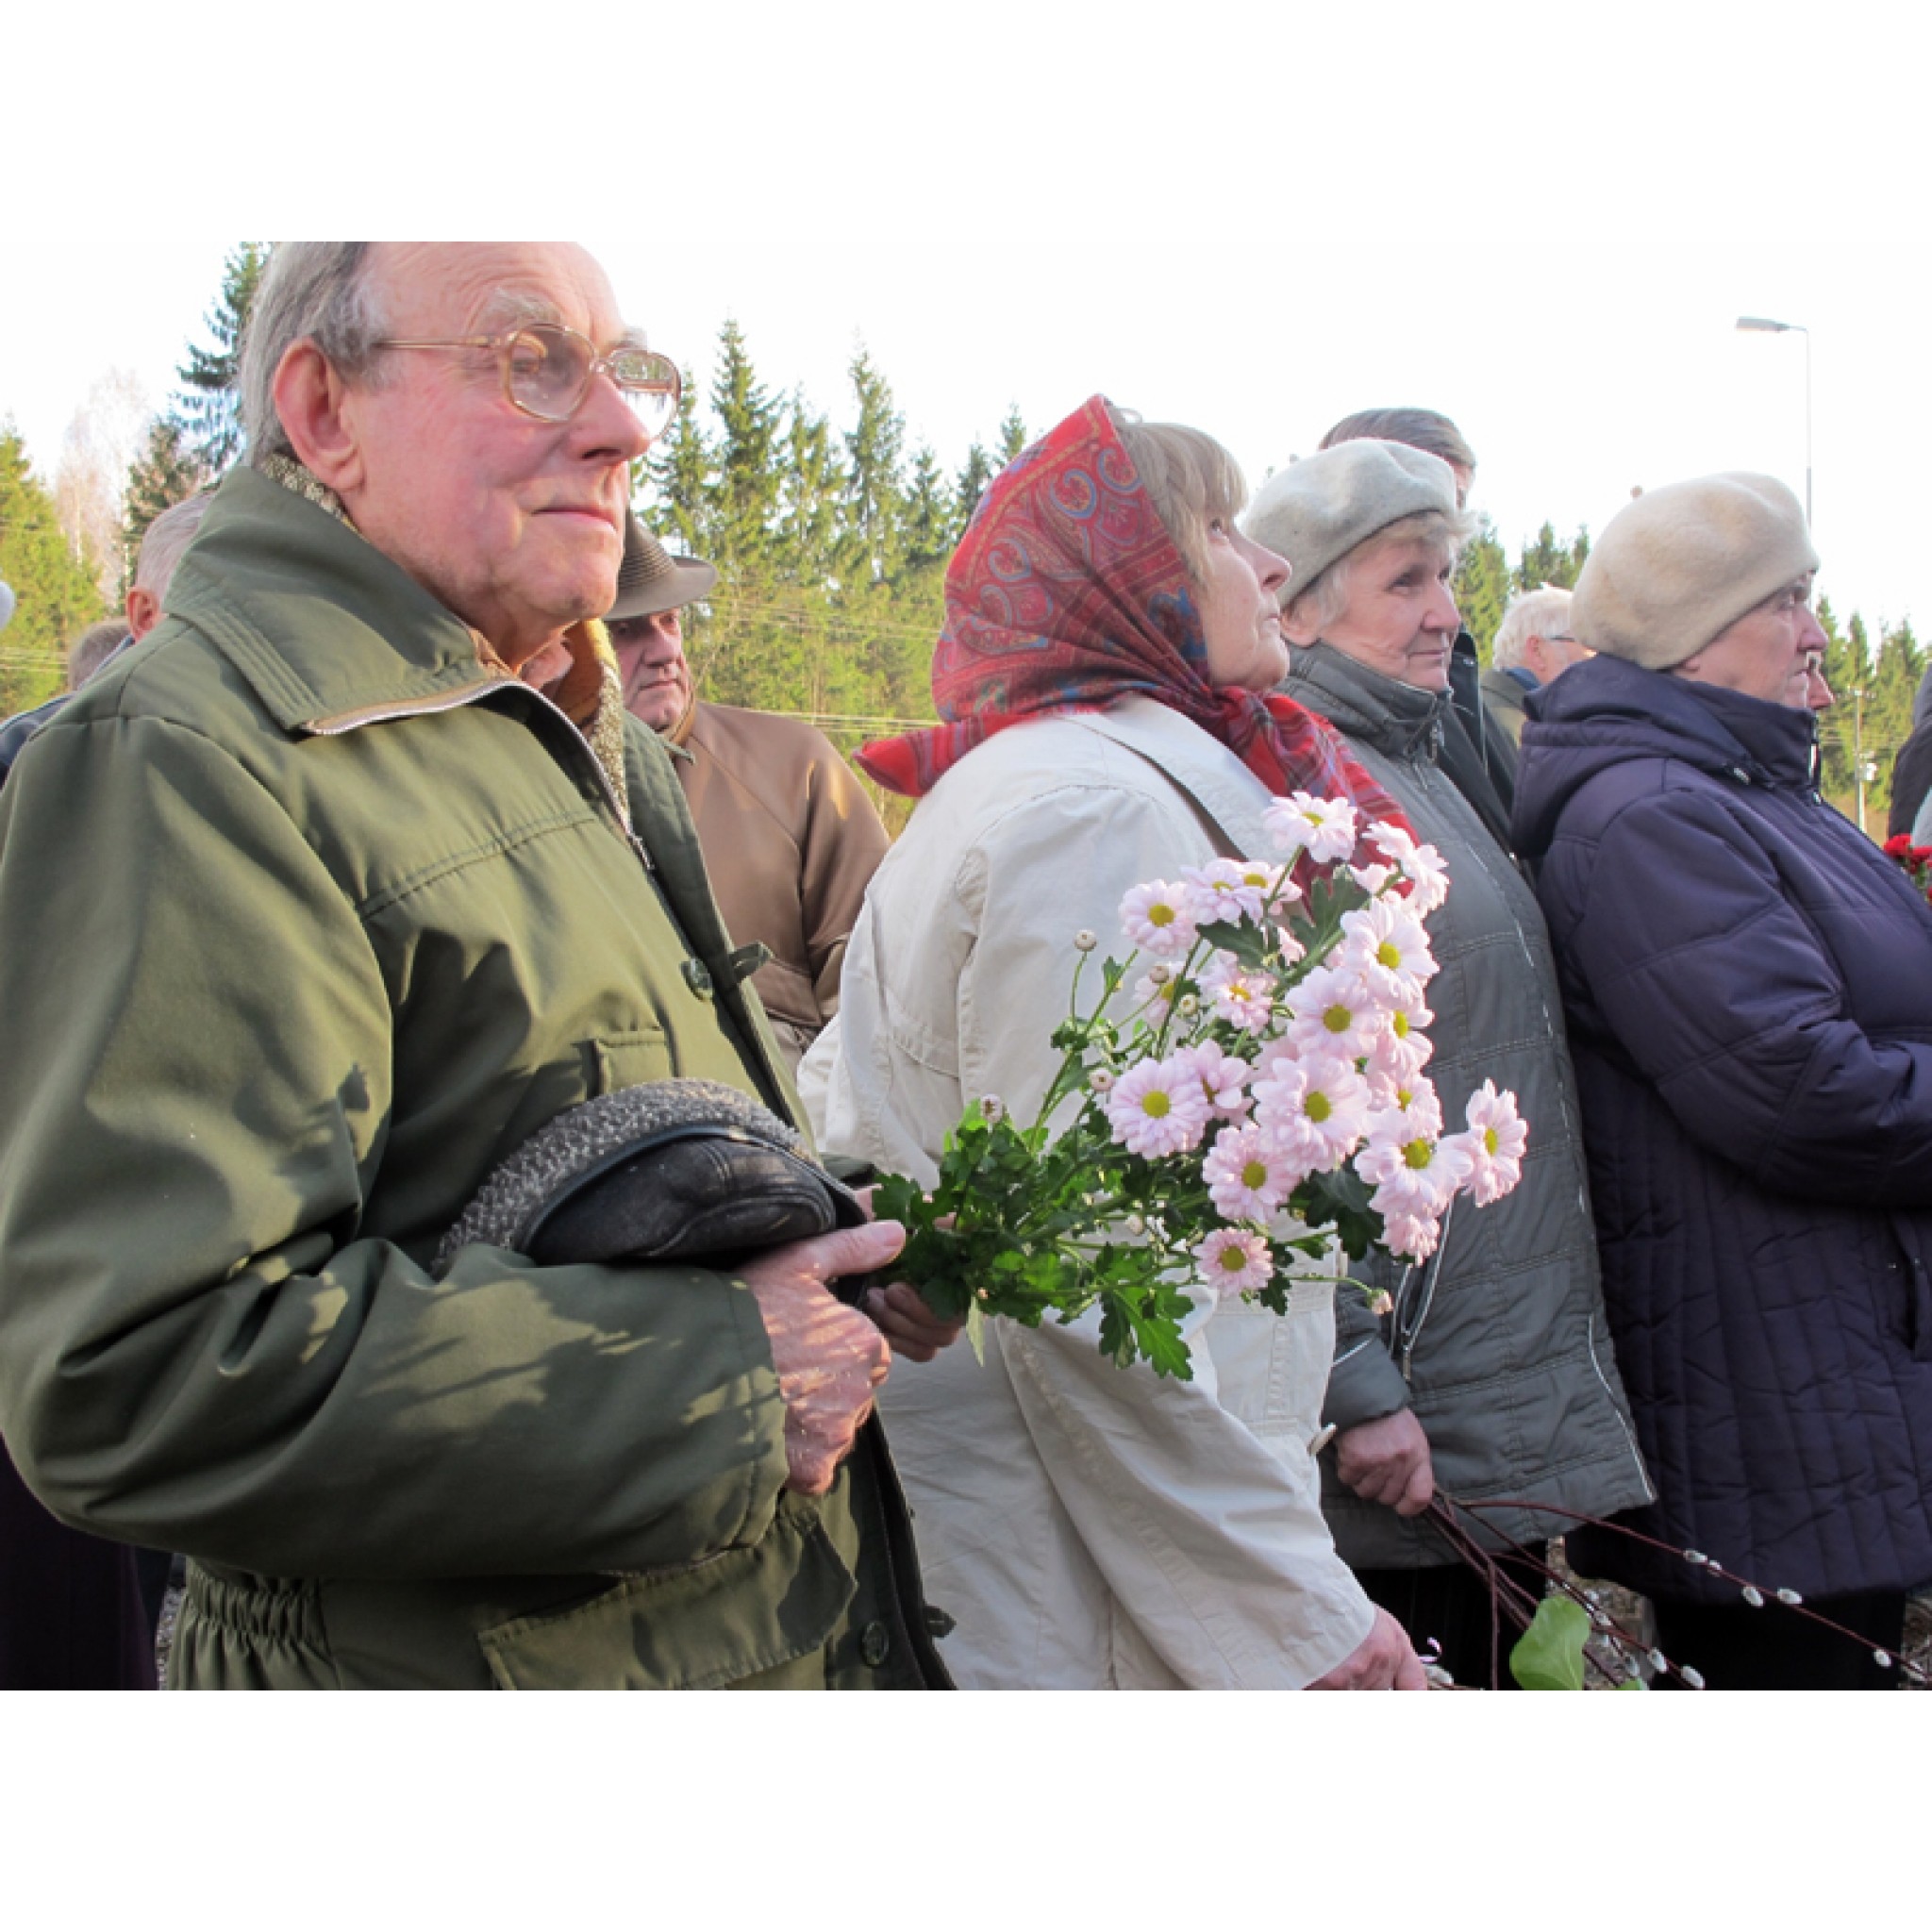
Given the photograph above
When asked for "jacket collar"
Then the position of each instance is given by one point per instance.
(320, 624)
(1394, 719)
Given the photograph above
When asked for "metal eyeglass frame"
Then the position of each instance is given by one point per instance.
(664, 380)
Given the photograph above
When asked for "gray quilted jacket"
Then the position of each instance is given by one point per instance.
(1499, 1344)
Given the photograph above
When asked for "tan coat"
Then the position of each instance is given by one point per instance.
(790, 841)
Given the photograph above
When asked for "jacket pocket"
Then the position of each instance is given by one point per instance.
(717, 1622)
(628, 1059)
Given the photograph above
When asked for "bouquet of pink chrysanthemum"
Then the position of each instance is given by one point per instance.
(1257, 1098)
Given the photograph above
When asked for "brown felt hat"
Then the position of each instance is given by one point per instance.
(651, 580)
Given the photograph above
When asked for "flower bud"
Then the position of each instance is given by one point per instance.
(1696, 1556)
(1753, 1596)
(1161, 972)
(1101, 1079)
(1790, 1596)
(1085, 941)
(1188, 1006)
(993, 1108)
(1882, 1659)
(1693, 1678)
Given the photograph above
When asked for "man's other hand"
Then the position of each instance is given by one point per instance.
(1387, 1460)
(829, 1358)
(1384, 1660)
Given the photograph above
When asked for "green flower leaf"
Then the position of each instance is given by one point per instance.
(1549, 1654)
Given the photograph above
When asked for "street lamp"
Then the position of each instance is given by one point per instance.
(1763, 324)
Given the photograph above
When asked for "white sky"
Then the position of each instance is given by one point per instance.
(1542, 220)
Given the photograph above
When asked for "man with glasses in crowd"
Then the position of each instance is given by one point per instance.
(1533, 647)
(379, 880)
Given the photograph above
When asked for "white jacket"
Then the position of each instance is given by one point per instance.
(1086, 1525)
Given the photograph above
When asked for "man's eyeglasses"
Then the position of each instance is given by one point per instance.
(547, 370)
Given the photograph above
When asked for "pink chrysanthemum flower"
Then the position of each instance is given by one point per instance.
(1160, 918)
(1235, 1260)
(1410, 1108)
(1218, 890)
(1414, 1235)
(1325, 828)
(1388, 946)
(1495, 1140)
(1422, 865)
(1223, 1077)
(1247, 1177)
(1334, 1011)
(1314, 1110)
(1241, 996)
(1413, 1176)
(1158, 1109)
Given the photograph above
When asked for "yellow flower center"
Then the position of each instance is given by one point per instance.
(1156, 1105)
(1253, 1173)
(1389, 954)
(1337, 1019)
(1399, 1026)
(1318, 1107)
(1417, 1154)
(1490, 1142)
(1232, 1259)
(1161, 915)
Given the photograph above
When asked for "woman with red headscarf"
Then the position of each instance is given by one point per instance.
(1110, 642)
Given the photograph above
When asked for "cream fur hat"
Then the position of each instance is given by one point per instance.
(1681, 564)
(1315, 512)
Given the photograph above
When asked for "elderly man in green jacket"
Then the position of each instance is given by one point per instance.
(315, 908)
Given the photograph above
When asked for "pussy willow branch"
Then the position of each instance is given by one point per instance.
(1709, 1566)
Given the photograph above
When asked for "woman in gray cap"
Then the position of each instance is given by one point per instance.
(1745, 977)
(1491, 1375)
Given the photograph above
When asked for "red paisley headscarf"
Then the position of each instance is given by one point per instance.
(1067, 593)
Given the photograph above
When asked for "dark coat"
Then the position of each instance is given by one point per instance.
(1750, 1006)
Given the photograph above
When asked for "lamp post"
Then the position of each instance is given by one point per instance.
(1763, 324)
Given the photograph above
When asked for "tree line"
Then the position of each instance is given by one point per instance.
(830, 533)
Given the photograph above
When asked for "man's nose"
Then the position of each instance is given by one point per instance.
(606, 426)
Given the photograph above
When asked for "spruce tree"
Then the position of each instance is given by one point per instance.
(743, 492)
(1482, 585)
(166, 473)
(1549, 562)
(970, 484)
(1012, 435)
(210, 405)
(874, 494)
(54, 595)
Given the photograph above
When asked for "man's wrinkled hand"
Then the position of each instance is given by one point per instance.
(1384, 1660)
(829, 1358)
(1386, 1461)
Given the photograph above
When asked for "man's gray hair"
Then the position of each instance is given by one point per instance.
(91, 649)
(317, 290)
(1423, 430)
(1540, 613)
(167, 538)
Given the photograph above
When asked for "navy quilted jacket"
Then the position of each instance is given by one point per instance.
(1748, 983)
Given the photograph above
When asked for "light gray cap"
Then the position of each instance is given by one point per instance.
(1678, 566)
(1314, 512)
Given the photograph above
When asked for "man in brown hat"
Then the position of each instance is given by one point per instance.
(790, 837)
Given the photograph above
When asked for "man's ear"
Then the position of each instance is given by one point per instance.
(143, 611)
(310, 398)
(1536, 658)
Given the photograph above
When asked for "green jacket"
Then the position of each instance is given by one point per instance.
(310, 920)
